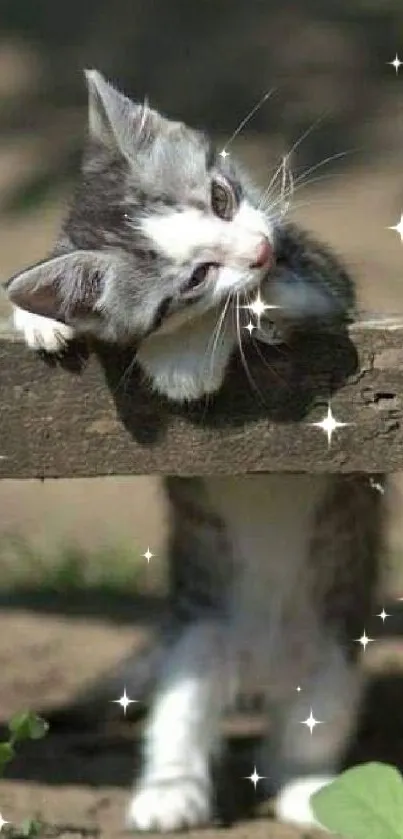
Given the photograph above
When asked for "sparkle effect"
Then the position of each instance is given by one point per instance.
(224, 153)
(254, 777)
(124, 701)
(148, 555)
(398, 227)
(258, 307)
(310, 722)
(364, 640)
(383, 615)
(396, 63)
(329, 424)
(250, 327)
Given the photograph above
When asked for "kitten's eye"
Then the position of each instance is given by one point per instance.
(199, 275)
(223, 200)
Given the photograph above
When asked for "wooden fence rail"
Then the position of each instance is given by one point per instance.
(94, 415)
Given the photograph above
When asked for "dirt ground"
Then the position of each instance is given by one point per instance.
(78, 778)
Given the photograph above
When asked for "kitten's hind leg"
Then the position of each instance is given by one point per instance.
(298, 760)
(174, 790)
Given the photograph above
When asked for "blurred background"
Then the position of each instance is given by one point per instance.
(70, 548)
(336, 98)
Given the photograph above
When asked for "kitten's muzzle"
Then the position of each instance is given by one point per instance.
(264, 254)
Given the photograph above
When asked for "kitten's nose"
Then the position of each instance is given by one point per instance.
(264, 253)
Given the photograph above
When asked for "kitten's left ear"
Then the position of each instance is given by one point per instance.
(66, 288)
(114, 120)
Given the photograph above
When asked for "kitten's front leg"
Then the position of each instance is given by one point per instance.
(299, 761)
(174, 790)
(42, 333)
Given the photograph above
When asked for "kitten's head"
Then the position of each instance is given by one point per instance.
(162, 235)
(160, 229)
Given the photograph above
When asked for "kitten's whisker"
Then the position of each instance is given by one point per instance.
(285, 192)
(303, 180)
(324, 162)
(272, 204)
(286, 196)
(279, 169)
(288, 154)
(307, 132)
(214, 335)
(318, 201)
(242, 354)
(249, 116)
(215, 338)
(126, 373)
(217, 331)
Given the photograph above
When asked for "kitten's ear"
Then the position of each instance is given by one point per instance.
(65, 288)
(114, 120)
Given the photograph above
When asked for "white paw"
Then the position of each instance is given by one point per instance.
(42, 333)
(174, 804)
(293, 805)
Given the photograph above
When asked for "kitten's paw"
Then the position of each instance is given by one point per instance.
(42, 333)
(292, 803)
(174, 804)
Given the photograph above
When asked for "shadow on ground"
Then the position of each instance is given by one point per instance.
(99, 748)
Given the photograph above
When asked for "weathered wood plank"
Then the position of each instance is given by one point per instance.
(57, 422)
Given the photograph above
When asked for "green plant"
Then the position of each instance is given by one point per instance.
(23, 726)
(365, 802)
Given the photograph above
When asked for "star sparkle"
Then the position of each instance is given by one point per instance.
(254, 778)
(383, 615)
(250, 327)
(148, 555)
(3, 822)
(311, 722)
(364, 640)
(124, 701)
(224, 153)
(396, 63)
(258, 307)
(329, 425)
(398, 227)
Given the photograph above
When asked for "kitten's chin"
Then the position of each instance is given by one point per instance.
(186, 365)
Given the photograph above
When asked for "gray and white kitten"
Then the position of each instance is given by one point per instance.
(272, 576)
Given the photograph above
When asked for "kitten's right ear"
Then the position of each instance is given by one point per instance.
(66, 288)
(114, 120)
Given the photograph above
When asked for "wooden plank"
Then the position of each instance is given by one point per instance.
(57, 421)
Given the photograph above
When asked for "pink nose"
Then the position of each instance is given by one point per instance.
(263, 255)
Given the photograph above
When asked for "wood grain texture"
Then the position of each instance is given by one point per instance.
(93, 414)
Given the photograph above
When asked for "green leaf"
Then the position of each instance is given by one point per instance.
(365, 802)
(28, 726)
(30, 828)
(6, 754)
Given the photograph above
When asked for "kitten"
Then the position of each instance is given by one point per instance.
(272, 576)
